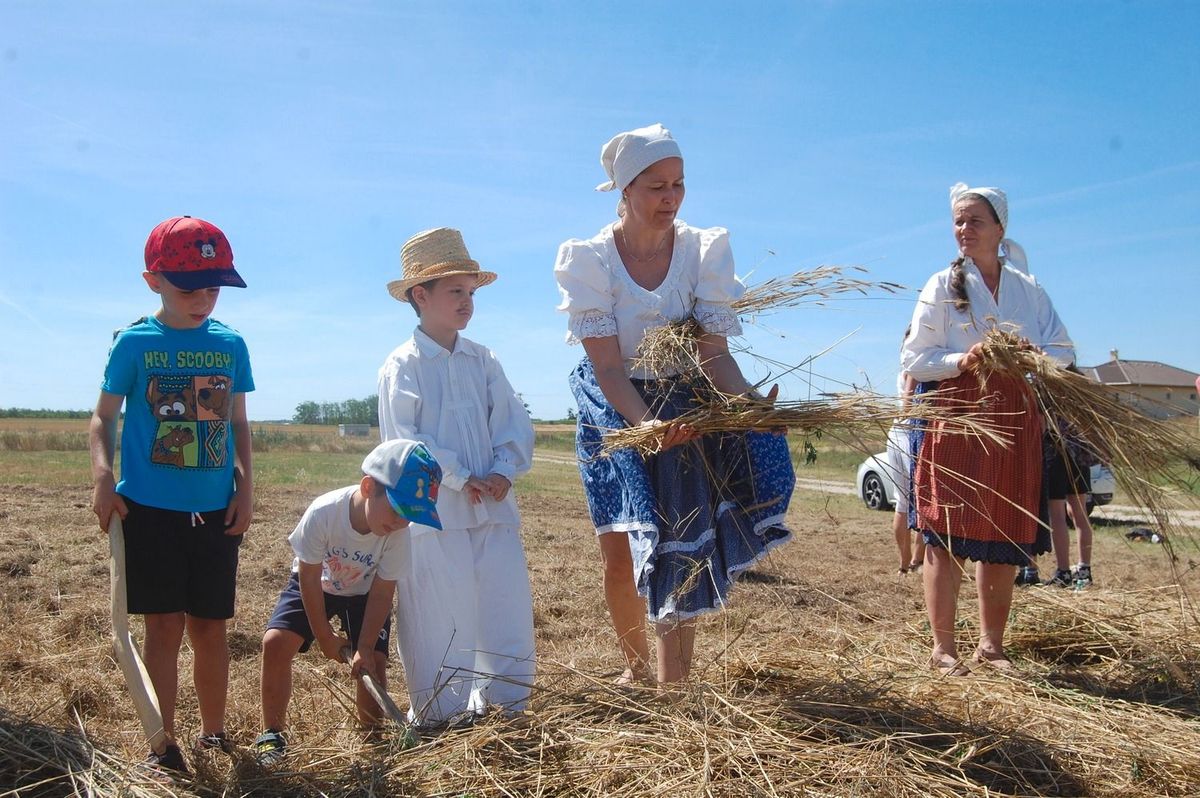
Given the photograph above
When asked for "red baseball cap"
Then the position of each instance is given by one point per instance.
(191, 254)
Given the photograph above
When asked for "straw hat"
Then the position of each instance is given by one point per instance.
(432, 254)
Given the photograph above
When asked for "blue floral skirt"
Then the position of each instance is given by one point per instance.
(696, 515)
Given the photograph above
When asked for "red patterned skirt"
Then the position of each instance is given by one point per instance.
(978, 499)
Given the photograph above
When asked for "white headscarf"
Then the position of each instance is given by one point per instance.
(1010, 250)
(627, 154)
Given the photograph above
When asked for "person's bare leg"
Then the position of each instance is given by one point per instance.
(625, 606)
(674, 644)
(941, 578)
(1083, 526)
(160, 652)
(279, 648)
(918, 547)
(903, 540)
(1060, 536)
(995, 585)
(210, 670)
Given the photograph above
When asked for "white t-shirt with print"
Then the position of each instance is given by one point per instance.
(350, 560)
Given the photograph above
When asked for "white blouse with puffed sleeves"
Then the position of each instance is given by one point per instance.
(603, 300)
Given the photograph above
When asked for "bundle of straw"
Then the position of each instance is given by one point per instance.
(1115, 433)
(672, 347)
(1154, 462)
(846, 412)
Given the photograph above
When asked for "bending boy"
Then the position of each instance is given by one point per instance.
(346, 565)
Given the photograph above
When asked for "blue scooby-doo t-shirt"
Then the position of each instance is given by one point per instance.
(177, 442)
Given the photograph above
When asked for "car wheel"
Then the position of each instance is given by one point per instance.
(1091, 505)
(873, 494)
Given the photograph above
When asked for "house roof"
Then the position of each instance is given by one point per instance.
(1141, 372)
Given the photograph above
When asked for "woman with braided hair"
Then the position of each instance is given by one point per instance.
(971, 500)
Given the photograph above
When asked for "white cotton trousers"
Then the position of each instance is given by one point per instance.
(464, 622)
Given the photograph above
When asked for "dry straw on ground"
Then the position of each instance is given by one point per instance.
(854, 718)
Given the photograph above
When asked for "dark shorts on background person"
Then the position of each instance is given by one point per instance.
(290, 616)
(1063, 476)
(173, 566)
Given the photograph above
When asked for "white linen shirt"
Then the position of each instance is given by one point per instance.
(463, 408)
(349, 560)
(604, 300)
(940, 334)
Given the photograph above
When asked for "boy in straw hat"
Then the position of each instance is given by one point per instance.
(464, 621)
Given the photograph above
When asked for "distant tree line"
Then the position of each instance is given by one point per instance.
(25, 412)
(351, 411)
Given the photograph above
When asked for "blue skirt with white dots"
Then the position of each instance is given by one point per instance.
(697, 514)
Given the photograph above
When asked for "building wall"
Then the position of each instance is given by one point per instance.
(1158, 401)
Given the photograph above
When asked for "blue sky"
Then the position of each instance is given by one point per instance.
(320, 135)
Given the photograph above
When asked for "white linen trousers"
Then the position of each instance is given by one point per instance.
(464, 622)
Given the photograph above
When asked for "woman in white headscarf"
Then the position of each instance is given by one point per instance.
(677, 527)
(976, 501)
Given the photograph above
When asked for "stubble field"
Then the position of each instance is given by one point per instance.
(813, 681)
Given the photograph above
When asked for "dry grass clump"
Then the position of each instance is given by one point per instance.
(37, 760)
(671, 349)
(1127, 645)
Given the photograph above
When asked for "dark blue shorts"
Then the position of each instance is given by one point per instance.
(172, 566)
(289, 615)
(1061, 475)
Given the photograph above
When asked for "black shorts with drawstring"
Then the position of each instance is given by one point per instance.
(173, 566)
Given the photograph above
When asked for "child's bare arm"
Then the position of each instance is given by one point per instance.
(379, 606)
(313, 597)
(241, 508)
(102, 443)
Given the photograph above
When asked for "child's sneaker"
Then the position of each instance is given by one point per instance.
(1027, 576)
(214, 742)
(1083, 576)
(270, 748)
(169, 763)
(1062, 578)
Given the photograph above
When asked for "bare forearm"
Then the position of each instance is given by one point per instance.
(102, 443)
(621, 394)
(720, 367)
(243, 456)
(379, 606)
(313, 597)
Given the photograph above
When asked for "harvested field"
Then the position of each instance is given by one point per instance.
(813, 683)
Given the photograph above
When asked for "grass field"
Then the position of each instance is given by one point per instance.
(812, 682)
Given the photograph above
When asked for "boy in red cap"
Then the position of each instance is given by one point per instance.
(186, 488)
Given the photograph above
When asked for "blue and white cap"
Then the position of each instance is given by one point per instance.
(410, 477)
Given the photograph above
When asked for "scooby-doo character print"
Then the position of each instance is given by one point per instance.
(192, 415)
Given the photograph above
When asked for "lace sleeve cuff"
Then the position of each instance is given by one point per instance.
(717, 318)
(591, 324)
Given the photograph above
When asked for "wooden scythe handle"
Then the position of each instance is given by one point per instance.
(380, 695)
(132, 667)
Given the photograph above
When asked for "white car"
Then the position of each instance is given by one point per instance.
(878, 489)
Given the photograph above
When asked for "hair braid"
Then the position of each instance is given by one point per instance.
(958, 285)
